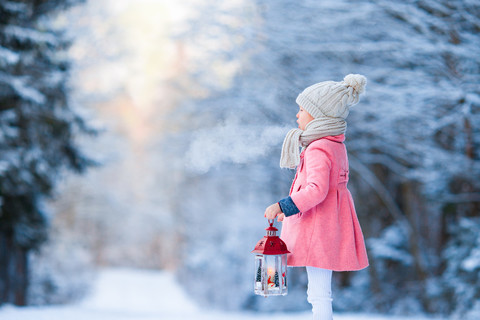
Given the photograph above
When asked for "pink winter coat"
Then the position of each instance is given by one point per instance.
(326, 232)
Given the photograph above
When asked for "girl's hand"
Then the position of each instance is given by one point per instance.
(272, 211)
(280, 217)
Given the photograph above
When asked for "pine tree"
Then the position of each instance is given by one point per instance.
(37, 125)
(259, 274)
(277, 283)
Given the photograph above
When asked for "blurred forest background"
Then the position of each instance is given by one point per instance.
(175, 111)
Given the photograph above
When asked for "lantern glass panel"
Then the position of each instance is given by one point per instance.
(259, 277)
(272, 266)
(284, 273)
(271, 275)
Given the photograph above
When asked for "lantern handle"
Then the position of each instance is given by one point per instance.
(272, 221)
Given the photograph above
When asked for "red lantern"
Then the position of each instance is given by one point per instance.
(271, 264)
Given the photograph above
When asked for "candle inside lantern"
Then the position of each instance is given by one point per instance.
(271, 271)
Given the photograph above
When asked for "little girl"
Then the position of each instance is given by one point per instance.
(320, 226)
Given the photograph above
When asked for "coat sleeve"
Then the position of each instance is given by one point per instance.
(317, 167)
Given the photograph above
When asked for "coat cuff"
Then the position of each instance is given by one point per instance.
(288, 206)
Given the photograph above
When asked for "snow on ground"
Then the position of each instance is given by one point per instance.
(126, 294)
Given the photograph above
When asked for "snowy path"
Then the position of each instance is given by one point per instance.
(125, 294)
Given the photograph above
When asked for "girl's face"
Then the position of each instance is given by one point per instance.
(303, 118)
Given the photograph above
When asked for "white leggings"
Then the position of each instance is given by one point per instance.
(319, 293)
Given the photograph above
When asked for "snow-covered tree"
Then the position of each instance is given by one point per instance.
(413, 140)
(416, 142)
(37, 129)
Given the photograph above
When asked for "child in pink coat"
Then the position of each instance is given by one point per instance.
(320, 226)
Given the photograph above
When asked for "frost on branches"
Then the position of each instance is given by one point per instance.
(413, 143)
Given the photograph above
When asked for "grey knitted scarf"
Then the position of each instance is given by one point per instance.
(314, 130)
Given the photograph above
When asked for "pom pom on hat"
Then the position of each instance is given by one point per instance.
(332, 99)
(356, 81)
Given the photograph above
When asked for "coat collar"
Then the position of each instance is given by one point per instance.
(340, 138)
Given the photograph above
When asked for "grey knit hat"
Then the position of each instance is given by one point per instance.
(332, 99)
